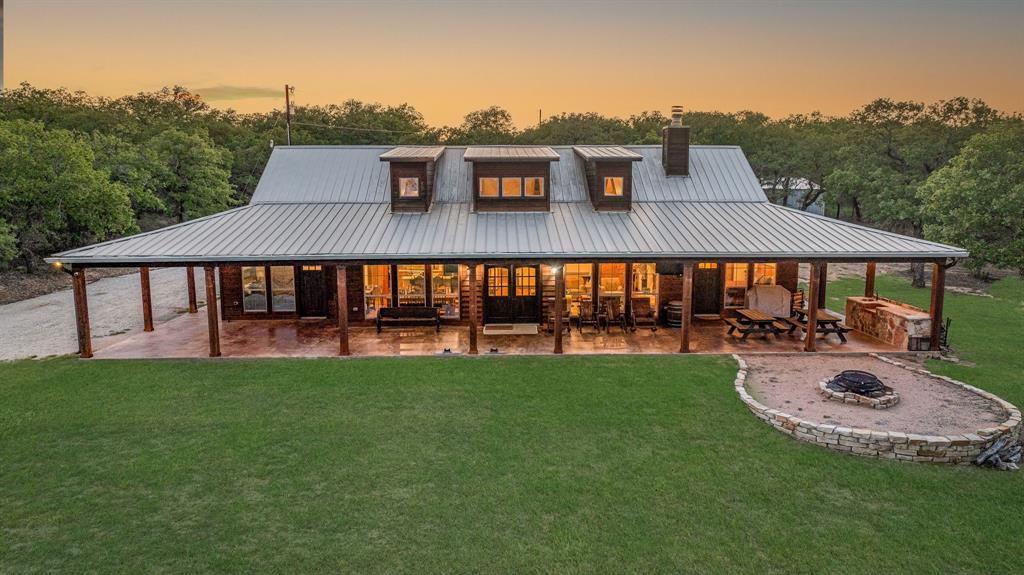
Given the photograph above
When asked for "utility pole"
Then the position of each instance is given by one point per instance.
(288, 112)
(540, 118)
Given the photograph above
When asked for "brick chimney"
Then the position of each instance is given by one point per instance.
(675, 145)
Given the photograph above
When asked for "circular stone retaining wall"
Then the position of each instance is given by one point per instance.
(883, 444)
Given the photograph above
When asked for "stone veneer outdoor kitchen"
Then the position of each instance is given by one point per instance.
(899, 324)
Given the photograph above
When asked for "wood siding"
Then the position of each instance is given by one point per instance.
(424, 171)
(596, 173)
(511, 169)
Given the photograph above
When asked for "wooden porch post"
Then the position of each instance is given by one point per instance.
(869, 280)
(822, 284)
(147, 302)
(342, 284)
(212, 319)
(814, 294)
(684, 329)
(938, 291)
(628, 304)
(559, 304)
(190, 277)
(472, 309)
(81, 313)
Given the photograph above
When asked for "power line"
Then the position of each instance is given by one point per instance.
(357, 129)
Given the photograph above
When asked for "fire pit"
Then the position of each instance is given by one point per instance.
(860, 388)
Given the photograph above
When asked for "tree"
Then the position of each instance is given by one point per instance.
(193, 177)
(51, 195)
(488, 126)
(135, 167)
(977, 200)
(572, 129)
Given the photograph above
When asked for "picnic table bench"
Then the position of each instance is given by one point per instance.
(751, 321)
(827, 323)
(408, 315)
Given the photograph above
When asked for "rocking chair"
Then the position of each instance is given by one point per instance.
(643, 314)
(587, 316)
(613, 315)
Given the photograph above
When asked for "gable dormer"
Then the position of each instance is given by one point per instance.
(413, 170)
(609, 172)
(511, 178)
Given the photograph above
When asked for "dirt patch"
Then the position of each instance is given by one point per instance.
(928, 406)
(16, 285)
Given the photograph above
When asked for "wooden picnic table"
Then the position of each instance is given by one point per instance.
(751, 321)
(827, 323)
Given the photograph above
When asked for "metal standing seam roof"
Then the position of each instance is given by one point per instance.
(598, 153)
(333, 204)
(510, 154)
(412, 154)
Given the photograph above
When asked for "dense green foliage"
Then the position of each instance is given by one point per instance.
(515, 464)
(178, 158)
(977, 200)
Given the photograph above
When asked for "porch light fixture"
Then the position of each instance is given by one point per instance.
(58, 265)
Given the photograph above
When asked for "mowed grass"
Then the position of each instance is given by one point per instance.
(515, 464)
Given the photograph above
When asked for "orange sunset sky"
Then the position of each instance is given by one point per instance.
(448, 58)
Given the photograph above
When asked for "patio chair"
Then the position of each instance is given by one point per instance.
(549, 321)
(587, 316)
(643, 314)
(613, 315)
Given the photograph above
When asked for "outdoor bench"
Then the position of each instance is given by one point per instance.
(412, 315)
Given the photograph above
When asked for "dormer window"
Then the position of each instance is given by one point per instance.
(413, 169)
(511, 178)
(614, 185)
(609, 171)
(408, 187)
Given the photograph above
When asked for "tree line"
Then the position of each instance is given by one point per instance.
(76, 168)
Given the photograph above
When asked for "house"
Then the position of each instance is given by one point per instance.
(492, 234)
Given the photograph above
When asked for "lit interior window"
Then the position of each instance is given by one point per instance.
(409, 187)
(613, 186)
(488, 187)
(579, 285)
(412, 286)
(612, 284)
(444, 288)
(511, 187)
(526, 281)
(645, 284)
(764, 274)
(282, 288)
(254, 289)
(497, 282)
(735, 285)
(533, 187)
(377, 288)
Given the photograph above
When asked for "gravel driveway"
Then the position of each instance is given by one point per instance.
(45, 325)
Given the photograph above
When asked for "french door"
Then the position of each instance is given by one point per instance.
(512, 294)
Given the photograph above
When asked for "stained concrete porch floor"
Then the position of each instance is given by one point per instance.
(186, 336)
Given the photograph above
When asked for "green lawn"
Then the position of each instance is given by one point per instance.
(517, 464)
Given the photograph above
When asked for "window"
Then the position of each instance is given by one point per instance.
(735, 285)
(444, 287)
(645, 283)
(377, 289)
(526, 282)
(534, 187)
(613, 186)
(764, 274)
(282, 288)
(707, 266)
(254, 289)
(412, 285)
(488, 187)
(579, 285)
(511, 187)
(497, 282)
(612, 286)
(409, 187)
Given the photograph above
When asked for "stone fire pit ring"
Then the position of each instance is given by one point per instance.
(885, 444)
